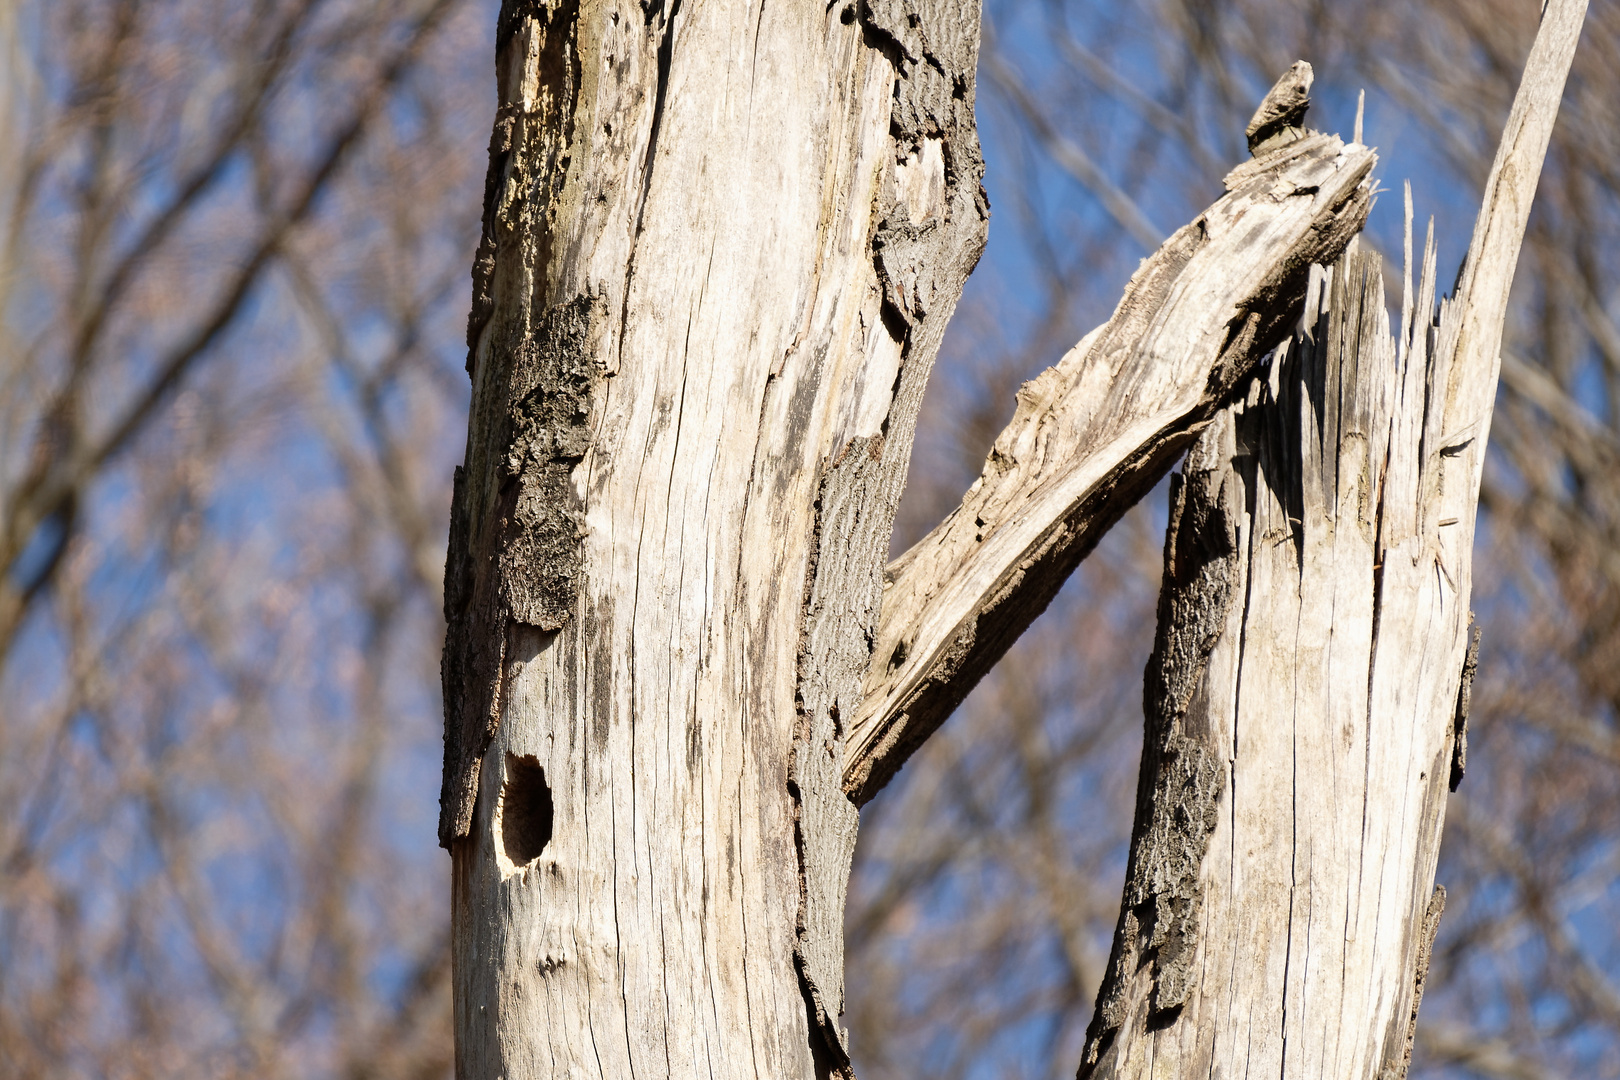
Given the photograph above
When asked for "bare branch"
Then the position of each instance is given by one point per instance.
(56, 483)
(1480, 305)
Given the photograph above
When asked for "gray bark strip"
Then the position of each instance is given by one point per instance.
(1183, 772)
(721, 242)
(1459, 722)
(1297, 946)
(930, 236)
(514, 546)
(1420, 979)
(1093, 433)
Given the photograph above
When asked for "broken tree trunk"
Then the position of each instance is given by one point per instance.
(720, 247)
(1303, 699)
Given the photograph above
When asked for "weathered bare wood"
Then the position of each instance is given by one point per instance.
(1299, 739)
(721, 242)
(1303, 697)
(1093, 433)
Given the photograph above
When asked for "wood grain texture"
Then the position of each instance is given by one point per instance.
(721, 241)
(1312, 645)
(1269, 930)
(1094, 433)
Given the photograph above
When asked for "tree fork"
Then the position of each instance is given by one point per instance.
(550, 674)
(1094, 433)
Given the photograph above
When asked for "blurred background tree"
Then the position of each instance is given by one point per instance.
(233, 286)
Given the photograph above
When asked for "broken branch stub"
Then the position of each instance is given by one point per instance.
(1095, 432)
(1309, 680)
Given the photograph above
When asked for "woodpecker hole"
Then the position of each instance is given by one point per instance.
(526, 810)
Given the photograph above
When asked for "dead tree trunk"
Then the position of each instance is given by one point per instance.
(1307, 695)
(721, 242)
(720, 247)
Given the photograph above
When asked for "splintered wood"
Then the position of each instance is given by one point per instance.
(1095, 432)
(1314, 672)
(1302, 698)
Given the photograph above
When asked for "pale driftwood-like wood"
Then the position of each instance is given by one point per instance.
(1093, 433)
(1304, 637)
(1303, 696)
(721, 242)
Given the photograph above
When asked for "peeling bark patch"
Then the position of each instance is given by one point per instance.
(1150, 970)
(514, 524)
(516, 540)
(1465, 697)
(538, 72)
(550, 416)
(1164, 889)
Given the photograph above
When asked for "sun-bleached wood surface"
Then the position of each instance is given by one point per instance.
(1096, 431)
(721, 242)
(1307, 690)
(720, 247)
